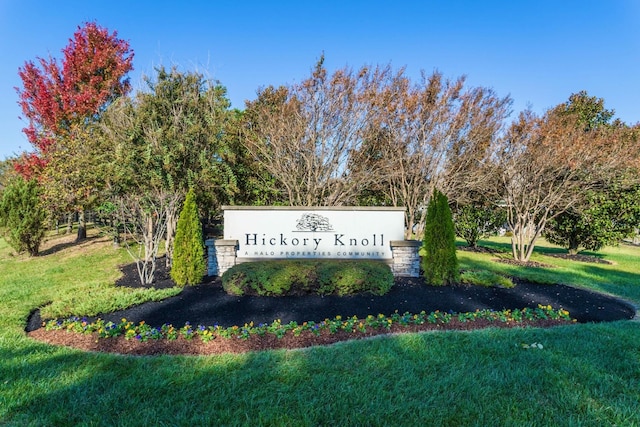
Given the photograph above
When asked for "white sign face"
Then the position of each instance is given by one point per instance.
(343, 233)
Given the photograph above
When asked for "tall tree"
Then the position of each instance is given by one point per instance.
(547, 165)
(172, 137)
(610, 211)
(303, 135)
(433, 134)
(60, 99)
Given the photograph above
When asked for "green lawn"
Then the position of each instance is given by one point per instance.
(585, 375)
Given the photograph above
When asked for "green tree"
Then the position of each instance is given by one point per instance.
(607, 217)
(23, 215)
(590, 110)
(172, 137)
(473, 222)
(60, 100)
(189, 266)
(439, 262)
(610, 211)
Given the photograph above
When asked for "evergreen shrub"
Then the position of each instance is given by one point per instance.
(439, 262)
(23, 216)
(297, 277)
(189, 264)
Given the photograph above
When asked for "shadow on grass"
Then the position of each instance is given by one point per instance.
(62, 246)
(449, 379)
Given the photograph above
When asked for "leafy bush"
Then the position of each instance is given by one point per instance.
(439, 263)
(473, 222)
(295, 277)
(189, 266)
(23, 215)
(485, 278)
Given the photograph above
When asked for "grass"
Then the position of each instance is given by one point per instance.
(622, 278)
(586, 375)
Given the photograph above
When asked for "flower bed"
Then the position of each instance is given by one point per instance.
(126, 337)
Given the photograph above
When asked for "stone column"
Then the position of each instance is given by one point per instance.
(406, 258)
(221, 255)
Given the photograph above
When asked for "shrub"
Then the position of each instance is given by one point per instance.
(473, 222)
(23, 216)
(189, 266)
(485, 278)
(295, 277)
(439, 263)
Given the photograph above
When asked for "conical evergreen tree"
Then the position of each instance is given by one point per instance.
(22, 215)
(440, 263)
(189, 265)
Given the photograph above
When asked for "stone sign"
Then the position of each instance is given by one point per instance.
(314, 232)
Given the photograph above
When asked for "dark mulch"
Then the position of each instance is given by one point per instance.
(479, 249)
(528, 264)
(582, 258)
(208, 304)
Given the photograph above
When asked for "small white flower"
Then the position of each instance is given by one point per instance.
(533, 345)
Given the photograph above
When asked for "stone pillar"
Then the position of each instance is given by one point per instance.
(212, 263)
(221, 255)
(406, 259)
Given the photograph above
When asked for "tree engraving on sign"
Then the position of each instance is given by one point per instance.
(313, 222)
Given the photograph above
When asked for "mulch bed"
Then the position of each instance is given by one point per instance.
(582, 258)
(208, 304)
(528, 264)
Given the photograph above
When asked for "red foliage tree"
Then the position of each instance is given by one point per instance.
(57, 95)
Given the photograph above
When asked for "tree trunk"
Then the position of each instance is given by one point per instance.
(82, 227)
(573, 245)
(69, 224)
(168, 242)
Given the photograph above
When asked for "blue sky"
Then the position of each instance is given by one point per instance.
(538, 52)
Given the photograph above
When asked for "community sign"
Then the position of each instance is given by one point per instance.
(313, 232)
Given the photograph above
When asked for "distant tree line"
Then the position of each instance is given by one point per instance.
(366, 136)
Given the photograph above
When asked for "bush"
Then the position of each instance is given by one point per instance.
(439, 263)
(474, 222)
(23, 216)
(189, 266)
(296, 277)
(486, 278)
